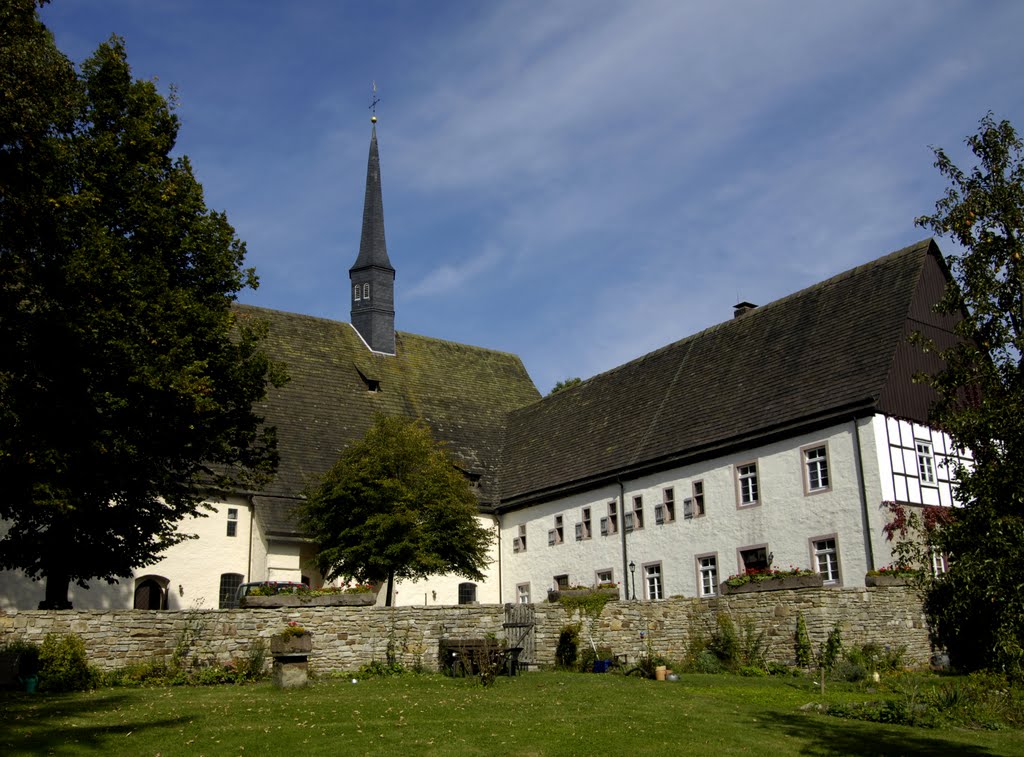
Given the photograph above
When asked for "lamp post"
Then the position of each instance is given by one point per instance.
(632, 573)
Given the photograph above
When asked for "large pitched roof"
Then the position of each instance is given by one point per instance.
(464, 393)
(821, 354)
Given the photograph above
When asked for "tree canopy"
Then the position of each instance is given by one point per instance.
(395, 506)
(567, 383)
(126, 380)
(976, 609)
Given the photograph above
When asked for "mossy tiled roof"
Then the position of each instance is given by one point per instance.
(824, 352)
(464, 393)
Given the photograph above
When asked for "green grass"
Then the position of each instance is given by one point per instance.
(534, 714)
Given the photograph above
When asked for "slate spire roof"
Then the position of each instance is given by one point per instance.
(373, 250)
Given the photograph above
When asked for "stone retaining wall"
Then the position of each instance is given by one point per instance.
(344, 638)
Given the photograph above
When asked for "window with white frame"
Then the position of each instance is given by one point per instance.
(746, 484)
(816, 469)
(652, 581)
(925, 462)
(232, 521)
(826, 560)
(940, 564)
(523, 593)
(366, 291)
(357, 293)
(707, 567)
(606, 576)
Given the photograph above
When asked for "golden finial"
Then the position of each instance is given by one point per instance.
(373, 103)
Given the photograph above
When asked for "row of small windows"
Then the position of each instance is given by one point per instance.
(360, 292)
(748, 494)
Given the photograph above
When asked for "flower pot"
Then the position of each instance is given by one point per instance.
(555, 595)
(812, 581)
(291, 646)
(886, 581)
(362, 599)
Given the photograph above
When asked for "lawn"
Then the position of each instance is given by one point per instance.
(534, 714)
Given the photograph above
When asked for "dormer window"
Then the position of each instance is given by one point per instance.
(366, 291)
(355, 293)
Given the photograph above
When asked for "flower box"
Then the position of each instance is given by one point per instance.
(812, 581)
(893, 580)
(291, 645)
(555, 595)
(361, 599)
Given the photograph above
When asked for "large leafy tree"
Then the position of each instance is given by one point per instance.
(976, 610)
(126, 381)
(395, 506)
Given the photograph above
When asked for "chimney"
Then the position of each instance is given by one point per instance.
(741, 308)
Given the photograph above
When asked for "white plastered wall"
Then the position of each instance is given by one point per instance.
(786, 520)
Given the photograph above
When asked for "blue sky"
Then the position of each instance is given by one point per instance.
(575, 182)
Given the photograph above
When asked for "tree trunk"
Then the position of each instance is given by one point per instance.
(57, 584)
(390, 597)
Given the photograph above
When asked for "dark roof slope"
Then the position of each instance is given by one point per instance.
(464, 393)
(824, 352)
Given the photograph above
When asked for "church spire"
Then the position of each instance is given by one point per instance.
(372, 276)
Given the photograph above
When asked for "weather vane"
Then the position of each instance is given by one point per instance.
(373, 103)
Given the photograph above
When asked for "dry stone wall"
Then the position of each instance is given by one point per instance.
(344, 638)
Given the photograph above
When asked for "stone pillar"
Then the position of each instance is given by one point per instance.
(291, 661)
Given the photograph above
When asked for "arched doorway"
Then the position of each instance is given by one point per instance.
(151, 593)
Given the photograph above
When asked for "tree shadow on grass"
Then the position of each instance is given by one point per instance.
(39, 723)
(827, 735)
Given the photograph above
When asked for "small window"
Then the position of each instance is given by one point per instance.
(559, 529)
(606, 576)
(826, 560)
(940, 563)
(668, 506)
(583, 527)
(523, 594)
(925, 462)
(746, 480)
(467, 593)
(652, 581)
(366, 291)
(638, 512)
(613, 517)
(519, 542)
(232, 521)
(816, 469)
(707, 568)
(697, 489)
(562, 582)
(356, 290)
(229, 583)
(755, 558)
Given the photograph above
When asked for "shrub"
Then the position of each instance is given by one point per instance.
(63, 664)
(707, 662)
(802, 645)
(568, 643)
(26, 655)
(724, 642)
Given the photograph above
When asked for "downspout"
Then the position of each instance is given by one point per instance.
(869, 551)
(497, 517)
(252, 516)
(622, 530)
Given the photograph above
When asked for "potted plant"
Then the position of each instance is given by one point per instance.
(890, 575)
(771, 579)
(294, 640)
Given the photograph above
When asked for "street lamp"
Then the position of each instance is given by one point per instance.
(632, 573)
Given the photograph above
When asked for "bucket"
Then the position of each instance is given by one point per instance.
(30, 683)
(659, 672)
